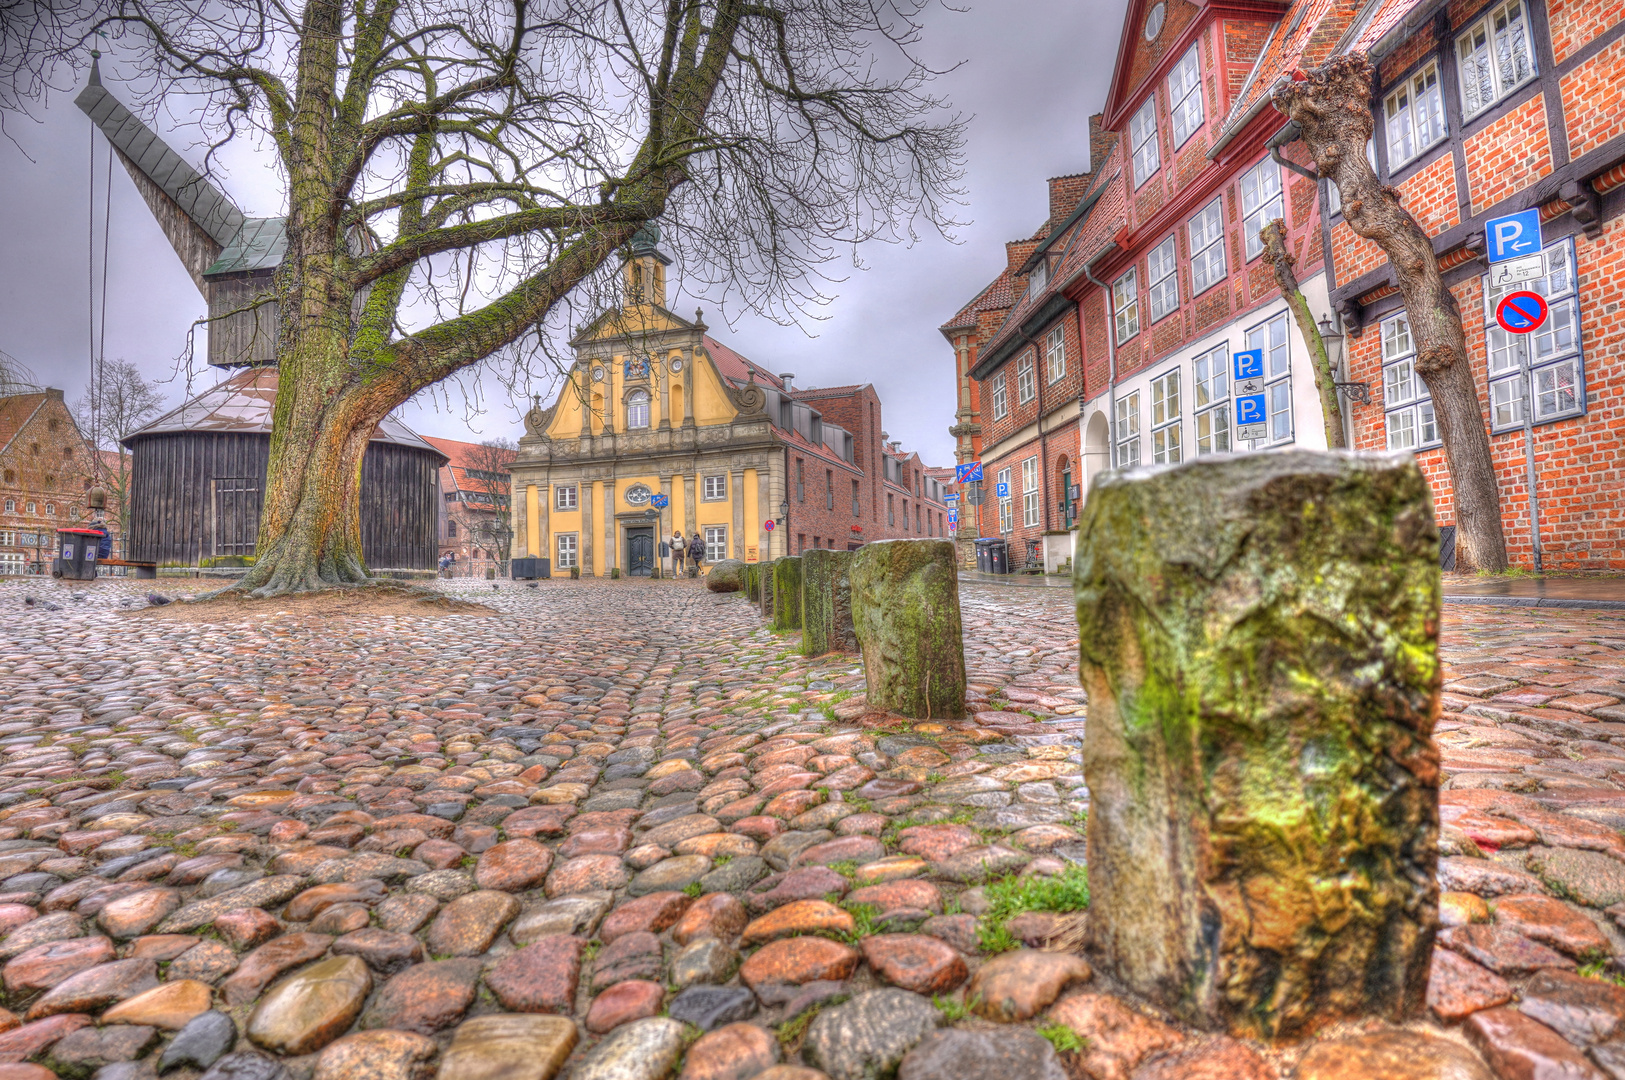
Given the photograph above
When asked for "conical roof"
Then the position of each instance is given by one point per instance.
(242, 405)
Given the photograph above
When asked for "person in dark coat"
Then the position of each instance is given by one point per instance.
(696, 554)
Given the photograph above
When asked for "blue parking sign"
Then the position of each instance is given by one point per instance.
(1001, 490)
(1248, 364)
(1250, 410)
(1513, 236)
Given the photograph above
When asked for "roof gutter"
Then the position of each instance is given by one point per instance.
(1290, 134)
(1235, 128)
(1407, 26)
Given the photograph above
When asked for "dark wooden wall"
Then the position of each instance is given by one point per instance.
(181, 511)
(239, 331)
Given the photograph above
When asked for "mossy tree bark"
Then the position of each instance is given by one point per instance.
(1332, 108)
(451, 180)
(1259, 640)
(1281, 262)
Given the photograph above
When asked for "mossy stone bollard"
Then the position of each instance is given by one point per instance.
(787, 587)
(1259, 639)
(725, 576)
(826, 602)
(905, 611)
(753, 575)
(765, 590)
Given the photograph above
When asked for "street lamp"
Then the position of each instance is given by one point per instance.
(1332, 338)
(784, 509)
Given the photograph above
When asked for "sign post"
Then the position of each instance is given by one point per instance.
(1247, 395)
(1513, 250)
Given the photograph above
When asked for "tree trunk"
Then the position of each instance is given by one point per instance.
(1332, 107)
(1275, 253)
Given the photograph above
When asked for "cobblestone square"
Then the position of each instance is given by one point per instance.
(619, 824)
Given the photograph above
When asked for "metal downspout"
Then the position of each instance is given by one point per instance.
(1111, 356)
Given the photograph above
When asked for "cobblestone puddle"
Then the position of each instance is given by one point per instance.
(621, 831)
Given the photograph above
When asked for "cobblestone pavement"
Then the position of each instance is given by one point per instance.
(621, 831)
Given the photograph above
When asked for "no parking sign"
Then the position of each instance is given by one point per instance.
(1521, 312)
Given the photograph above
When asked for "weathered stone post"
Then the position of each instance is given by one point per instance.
(905, 610)
(764, 589)
(826, 602)
(787, 586)
(1259, 639)
(752, 576)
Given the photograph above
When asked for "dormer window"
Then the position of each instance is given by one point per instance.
(637, 409)
(1039, 277)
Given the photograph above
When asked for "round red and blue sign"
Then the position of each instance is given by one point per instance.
(1521, 312)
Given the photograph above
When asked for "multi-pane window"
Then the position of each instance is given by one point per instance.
(1128, 430)
(716, 543)
(1006, 515)
(1550, 358)
(1166, 444)
(856, 505)
(891, 509)
(1142, 132)
(1038, 277)
(1001, 398)
(1207, 247)
(1408, 410)
(716, 488)
(1126, 303)
(829, 489)
(1185, 97)
(905, 515)
(1271, 337)
(637, 409)
(1494, 57)
(1210, 395)
(1055, 353)
(801, 480)
(1414, 115)
(564, 497)
(1160, 269)
(1029, 492)
(1260, 203)
(1026, 383)
(567, 551)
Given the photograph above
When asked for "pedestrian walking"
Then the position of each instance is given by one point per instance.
(679, 548)
(696, 555)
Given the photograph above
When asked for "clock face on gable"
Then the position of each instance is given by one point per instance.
(638, 495)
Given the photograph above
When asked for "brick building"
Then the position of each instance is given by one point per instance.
(46, 470)
(755, 465)
(476, 516)
(1487, 109)
(1148, 277)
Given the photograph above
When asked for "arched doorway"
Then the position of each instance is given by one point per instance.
(1063, 494)
(1097, 448)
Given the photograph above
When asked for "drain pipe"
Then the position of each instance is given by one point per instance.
(1111, 351)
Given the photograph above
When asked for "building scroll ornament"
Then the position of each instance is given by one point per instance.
(537, 419)
(749, 399)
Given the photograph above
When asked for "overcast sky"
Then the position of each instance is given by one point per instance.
(1034, 72)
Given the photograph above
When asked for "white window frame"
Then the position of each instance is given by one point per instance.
(1030, 508)
(1208, 262)
(1485, 49)
(1055, 354)
(1006, 513)
(1408, 419)
(1026, 379)
(1261, 203)
(567, 551)
(1185, 97)
(1038, 277)
(1001, 398)
(714, 488)
(1167, 443)
(1274, 336)
(637, 408)
(1162, 271)
(1413, 116)
(566, 497)
(1552, 358)
(1143, 138)
(1126, 304)
(1210, 398)
(1128, 430)
(716, 543)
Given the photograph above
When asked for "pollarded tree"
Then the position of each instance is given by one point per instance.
(1332, 108)
(514, 146)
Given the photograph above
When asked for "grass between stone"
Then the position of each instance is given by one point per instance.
(1010, 896)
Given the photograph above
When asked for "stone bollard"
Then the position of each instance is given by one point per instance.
(787, 589)
(905, 611)
(764, 589)
(753, 575)
(1258, 636)
(826, 602)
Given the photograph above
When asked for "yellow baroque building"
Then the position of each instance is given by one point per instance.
(651, 407)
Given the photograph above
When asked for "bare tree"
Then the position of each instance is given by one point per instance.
(1332, 108)
(487, 517)
(125, 399)
(15, 377)
(440, 153)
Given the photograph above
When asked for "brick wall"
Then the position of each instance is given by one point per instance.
(1593, 94)
(1430, 195)
(1574, 23)
(1508, 155)
(1355, 255)
(48, 465)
